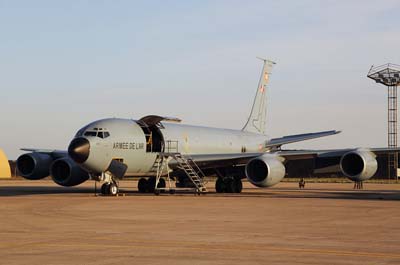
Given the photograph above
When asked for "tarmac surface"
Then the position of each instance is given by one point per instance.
(42, 223)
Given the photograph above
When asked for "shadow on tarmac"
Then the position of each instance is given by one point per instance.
(391, 195)
(6, 191)
(284, 193)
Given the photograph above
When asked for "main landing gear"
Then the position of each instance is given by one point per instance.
(148, 185)
(228, 185)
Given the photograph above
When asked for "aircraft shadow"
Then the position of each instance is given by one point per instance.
(6, 191)
(276, 193)
(392, 195)
(340, 195)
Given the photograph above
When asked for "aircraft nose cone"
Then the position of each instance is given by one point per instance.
(79, 150)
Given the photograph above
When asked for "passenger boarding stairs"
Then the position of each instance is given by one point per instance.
(193, 172)
(191, 169)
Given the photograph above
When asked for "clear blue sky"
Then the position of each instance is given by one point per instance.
(66, 63)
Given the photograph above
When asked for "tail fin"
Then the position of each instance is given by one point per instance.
(257, 119)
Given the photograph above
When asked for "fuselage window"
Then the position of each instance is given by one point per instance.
(106, 134)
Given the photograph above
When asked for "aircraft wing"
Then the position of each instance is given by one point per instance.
(278, 142)
(216, 160)
(275, 143)
(241, 159)
(53, 152)
(296, 154)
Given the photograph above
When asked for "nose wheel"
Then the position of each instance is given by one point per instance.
(109, 189)
(110, 185)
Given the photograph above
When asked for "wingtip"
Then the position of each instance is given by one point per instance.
(333, 131)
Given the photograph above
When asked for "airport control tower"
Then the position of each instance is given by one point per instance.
(389, 75)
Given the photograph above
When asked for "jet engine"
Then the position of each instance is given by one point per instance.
(359, 165)
(66, 172)
(265, 171)
(34, 165)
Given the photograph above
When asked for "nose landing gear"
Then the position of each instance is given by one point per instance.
(109, 189)
(110, 186)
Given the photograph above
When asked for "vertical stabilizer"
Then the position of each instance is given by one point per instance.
(257, 119)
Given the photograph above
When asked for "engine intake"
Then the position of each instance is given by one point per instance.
(359, 165)
(66, 172)
(265, 171)
(34, 166)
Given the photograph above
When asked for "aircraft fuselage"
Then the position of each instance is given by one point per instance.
(137, 144)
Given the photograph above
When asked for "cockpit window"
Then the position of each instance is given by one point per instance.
(90, 133)
(103, 134)
(97, 132)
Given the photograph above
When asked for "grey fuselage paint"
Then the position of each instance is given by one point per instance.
(127, 142)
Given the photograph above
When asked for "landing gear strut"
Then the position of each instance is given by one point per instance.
(228, 185)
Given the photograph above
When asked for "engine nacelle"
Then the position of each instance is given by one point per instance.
(34, 165)
(265, 171)
(359, 165)
(66, 172)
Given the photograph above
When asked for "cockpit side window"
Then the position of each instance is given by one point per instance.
(79, 133)
(99, 134)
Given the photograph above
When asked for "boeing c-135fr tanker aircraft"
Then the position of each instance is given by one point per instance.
(155, 147)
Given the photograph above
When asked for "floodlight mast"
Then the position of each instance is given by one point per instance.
(389, 75)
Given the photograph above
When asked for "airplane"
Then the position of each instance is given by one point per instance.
(108, 150)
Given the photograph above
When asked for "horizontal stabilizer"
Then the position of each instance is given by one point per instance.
(277, 142)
